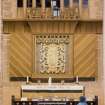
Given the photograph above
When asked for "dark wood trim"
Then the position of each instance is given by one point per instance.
(59, 19)
(54, 91)
(54, 80)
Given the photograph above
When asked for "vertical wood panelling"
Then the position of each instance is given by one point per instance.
(61, 27)
(89, 28)
(50, 27)
(45, 27)
(66, 28)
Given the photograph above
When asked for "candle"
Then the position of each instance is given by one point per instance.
(49, 81)
(77, 81)
(27, 80)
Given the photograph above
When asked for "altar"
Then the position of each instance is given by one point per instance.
(52, 88)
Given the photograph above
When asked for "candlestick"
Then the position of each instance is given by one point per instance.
(27, 81)
(49, 81)
(77, 80)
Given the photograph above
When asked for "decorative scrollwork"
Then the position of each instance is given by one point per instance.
(53, 39)
(52, 53)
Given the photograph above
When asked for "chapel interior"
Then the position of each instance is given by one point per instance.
(51, 52)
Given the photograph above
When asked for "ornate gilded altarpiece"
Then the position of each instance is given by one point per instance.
(53, 55)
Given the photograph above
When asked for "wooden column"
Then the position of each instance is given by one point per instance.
(43, 4)
(80, 7)
(33, 3)
(62, 5)
(70, 3)
(25, 7)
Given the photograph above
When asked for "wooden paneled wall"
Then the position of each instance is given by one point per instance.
(85, 55)
(20, 51)
(84, 47)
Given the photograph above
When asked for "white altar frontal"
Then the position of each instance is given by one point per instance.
(53, 88)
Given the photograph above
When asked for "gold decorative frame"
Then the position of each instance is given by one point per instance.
(68, 74)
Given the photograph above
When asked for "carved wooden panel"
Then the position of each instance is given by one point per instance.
(79, 48)
(53, 55)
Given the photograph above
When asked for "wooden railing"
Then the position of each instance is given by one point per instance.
(32, 102)
(67, 13)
